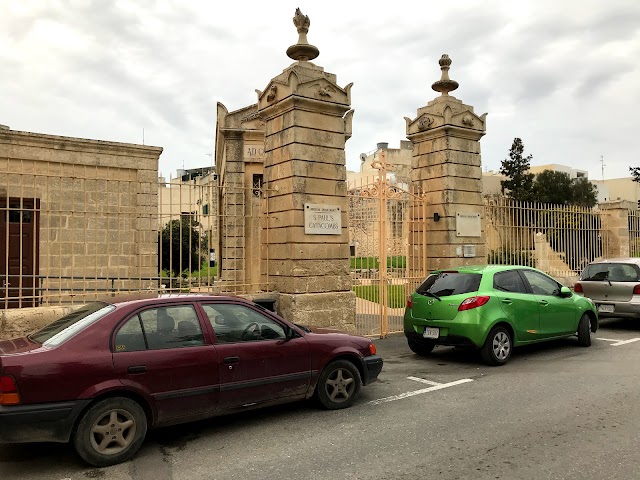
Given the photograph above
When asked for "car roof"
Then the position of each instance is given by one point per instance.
(152, 297)
(635, 260)
(483, 268)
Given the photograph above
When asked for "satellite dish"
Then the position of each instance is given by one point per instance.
(363, 157)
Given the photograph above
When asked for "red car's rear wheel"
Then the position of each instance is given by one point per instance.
(110, 432)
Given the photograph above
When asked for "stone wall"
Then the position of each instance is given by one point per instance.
(98, 211)
(23, 321)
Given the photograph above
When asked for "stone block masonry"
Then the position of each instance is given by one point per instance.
(307, 122)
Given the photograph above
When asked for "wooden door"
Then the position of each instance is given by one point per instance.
(19, 252)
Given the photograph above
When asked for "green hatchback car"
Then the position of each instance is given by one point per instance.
(494, 308)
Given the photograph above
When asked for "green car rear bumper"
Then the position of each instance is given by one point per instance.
(466, 329)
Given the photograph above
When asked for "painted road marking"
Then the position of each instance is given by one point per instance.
(422, 380)
(437, 386)
(619, 342)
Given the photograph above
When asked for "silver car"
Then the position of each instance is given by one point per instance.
(613, 285)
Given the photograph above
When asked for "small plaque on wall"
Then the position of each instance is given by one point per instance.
(322, 219)
(468, 225)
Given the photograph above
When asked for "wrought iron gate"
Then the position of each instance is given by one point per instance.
(387, 230)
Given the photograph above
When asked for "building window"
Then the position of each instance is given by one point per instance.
(257, 184)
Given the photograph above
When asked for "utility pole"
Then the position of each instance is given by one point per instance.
(603, 165)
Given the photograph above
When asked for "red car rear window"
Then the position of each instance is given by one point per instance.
(80, 318)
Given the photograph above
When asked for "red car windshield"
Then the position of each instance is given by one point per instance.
(72, 323)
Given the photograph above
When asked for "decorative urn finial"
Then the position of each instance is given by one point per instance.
(445, 84)
(302, 51)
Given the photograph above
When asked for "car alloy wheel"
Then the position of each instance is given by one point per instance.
(111, 431)
(497, 347)
(501, 345)
(338, 385)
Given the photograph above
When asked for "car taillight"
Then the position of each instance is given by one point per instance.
(577, 288)
(8, 391)
(372, 349)
(473, 302)
(409, 301)
(636, 290)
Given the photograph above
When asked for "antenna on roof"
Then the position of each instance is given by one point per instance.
(603, 165)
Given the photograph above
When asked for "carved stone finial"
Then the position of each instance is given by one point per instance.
(445, 84)
(302, 51)
(301, 21)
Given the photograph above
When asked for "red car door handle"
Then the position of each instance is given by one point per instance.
(228, 360)
(137, 369)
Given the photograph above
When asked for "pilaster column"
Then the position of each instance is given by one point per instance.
(307, 122)
(446, 167)
(615, 229)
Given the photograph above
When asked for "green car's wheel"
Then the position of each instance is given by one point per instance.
(584, 331)
(497, 347)
(421, 347)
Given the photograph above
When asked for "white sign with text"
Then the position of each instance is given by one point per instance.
(468, 225)
(322, 219)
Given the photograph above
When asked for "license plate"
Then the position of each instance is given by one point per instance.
(606, 308)
(431, 332)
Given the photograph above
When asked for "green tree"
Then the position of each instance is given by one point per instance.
(519, 181)
(635, 173)
(558, 188)
(584, 192)
(179, 245)
(552, 187)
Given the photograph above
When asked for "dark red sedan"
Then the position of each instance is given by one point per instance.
(102, 375)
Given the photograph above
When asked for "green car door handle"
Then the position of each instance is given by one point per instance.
(507, 301)
(544, 303)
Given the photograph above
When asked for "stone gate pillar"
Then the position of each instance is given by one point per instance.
(615, 229)
(306, 246)
(446, 167)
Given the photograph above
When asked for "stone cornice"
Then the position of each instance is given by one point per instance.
(239, 132)
(40, 140)
(446, 131)
(296, 102)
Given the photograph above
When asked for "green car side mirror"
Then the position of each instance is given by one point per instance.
(565, 292)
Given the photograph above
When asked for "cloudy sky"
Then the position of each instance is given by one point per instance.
(562, 75)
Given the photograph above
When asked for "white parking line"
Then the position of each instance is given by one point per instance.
(619, 342)
(422, 380)
(438, 386)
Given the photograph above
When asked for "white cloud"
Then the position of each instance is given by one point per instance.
(563, 76)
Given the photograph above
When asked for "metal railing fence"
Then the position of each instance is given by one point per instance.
(558, 239)
(634, 233)
(71, 233)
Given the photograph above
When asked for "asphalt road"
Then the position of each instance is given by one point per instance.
(556, 411)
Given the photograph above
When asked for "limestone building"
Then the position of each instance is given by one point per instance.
(239, 156)
(80, 217)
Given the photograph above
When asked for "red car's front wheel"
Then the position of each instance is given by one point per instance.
(338, 385)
